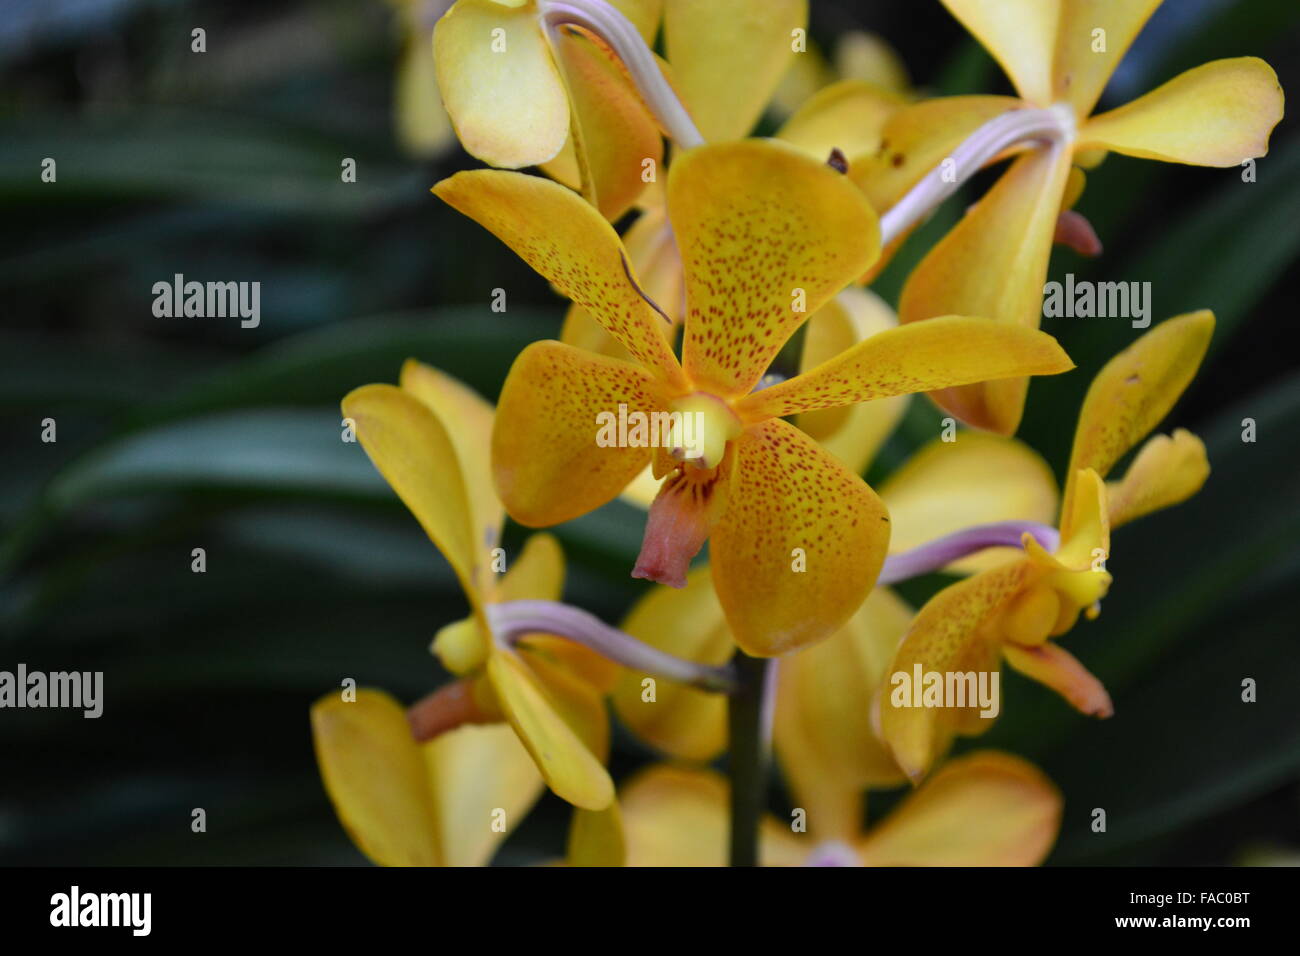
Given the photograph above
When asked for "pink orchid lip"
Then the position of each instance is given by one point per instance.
(941, 552)
(512, 621)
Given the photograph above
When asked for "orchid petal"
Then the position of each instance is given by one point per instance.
(1086, 59)
(1165, 472)
(799, 545)
(1021, 36)
(759, 259)
(983, 809)
(848, 116)
(976, 479)
(947, 351)
(1135, 390)
(728, 57)
(1055, 667)
(994, 263)
(596, 838)
(822, 727)
(546, 459)
(566, 240)
(1218, 114)
(500, 84)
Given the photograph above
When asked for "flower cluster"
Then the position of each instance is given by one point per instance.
(738, 243)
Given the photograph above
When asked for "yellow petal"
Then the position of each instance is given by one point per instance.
(994, 264)
(1021, 35)
(596, 838)
(1165, 472)
(680, 721)
(1085, 526)
(614, 134)
(864, 56)
(950, 350)
(1135, 390)
(566, 240)
(977, 479)
(467, 417)
(644, 14)
(1054, 666)
(1085, 59)
(1218, 114)
(917, 138)
(848, 116)
(500, 84)
(548, 464)
(422, 123)
(766, 236)
(822, 727)
(852, 433)
(792, 506)
(983, 809)
(678, 817)
(945, 632)
(537, 574)
(412, 450)
(413, 804)
(538, 716)
(728, 57)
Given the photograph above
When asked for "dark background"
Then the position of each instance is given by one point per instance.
(183, 433)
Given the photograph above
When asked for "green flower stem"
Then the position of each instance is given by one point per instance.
(748, 710)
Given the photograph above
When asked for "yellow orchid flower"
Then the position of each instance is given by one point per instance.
(542, 82)
(1010, 611)
(429, 439)
(983, 809)
(767, 235)
(1059, 55)
(423, 126)
(446, 802)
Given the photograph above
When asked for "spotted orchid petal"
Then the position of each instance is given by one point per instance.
(678, 720)
(1091, 39)
(1021, 35)
(759, 259)
(547, 462)
(949, 629)
(410, 446)
(848, 115)
(500, 83)
(977, 479)
(1217, 114)
(799, 544)
(569, 242)
(994, 263)
(1017, 809)
(410, 804)
(852, 433)
(946, 351)
(822, 727)
(728, 57)
(1135, 390)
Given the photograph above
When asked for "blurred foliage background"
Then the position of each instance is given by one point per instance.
(183, 433)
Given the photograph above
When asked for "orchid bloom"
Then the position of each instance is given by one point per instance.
(406, 803)
(983, 809)
(1059, 55)
(429, 439)
(545, 83)
(767, 235)
(423, 126)
(1013, 609)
